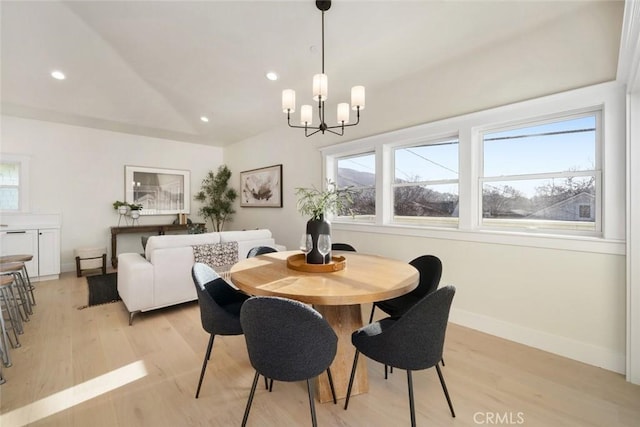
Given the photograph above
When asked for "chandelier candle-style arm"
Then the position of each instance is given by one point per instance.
(320, 92)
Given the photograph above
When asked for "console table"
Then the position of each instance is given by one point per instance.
(159, 228)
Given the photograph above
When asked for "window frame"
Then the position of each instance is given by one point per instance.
(544, 225)
(334, 177)
(447, 222)
(609, 97)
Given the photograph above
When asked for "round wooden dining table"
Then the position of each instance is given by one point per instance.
(337, 295)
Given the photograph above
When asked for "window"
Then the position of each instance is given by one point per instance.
(13, 183)
(359, 173)
(425, 183)
(546, 172)
(542, 175)
(10, 186)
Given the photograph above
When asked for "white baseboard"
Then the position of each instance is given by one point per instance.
(566, 347)
(45, 278)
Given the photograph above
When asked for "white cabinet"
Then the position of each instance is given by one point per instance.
(21, 242)
(42, 244)
(48, 252)
(34, 234)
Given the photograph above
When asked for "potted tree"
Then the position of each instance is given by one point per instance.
(217, 197)
(316, 203)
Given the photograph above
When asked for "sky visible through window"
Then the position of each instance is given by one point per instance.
(561, 146)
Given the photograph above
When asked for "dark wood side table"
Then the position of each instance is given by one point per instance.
(159, 228)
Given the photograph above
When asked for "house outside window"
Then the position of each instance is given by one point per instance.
(425, 183)
(542, 175)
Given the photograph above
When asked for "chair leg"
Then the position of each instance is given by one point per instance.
(268, 384)
(446, 393)
(353, 375)
(312, 405)
(411, 404)
(333, 390)
(253, 391)
(442, 361)
(386, 372)
(204, 364)
(373, 308)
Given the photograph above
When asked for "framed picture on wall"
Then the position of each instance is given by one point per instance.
(159, 191)
(261, 188)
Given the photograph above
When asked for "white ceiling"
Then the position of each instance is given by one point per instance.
(154, 67)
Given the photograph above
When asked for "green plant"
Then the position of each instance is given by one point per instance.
(314, 203)
(118, 203)
(196, 228)
(135, 206)
(218, 198)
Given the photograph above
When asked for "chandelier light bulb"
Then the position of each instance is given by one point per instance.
(320, 87)
(306, 115)
(357, 97)
(288, 100)
(343, 112)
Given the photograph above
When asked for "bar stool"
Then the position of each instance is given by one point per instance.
(24, 258)
(8, 303)
(15, 269)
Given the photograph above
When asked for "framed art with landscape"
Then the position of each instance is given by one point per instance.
(261, 188)
(159, 191)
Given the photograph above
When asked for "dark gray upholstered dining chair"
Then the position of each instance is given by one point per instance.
(342, 247)
(287, 341)
(219, 307)
(260, 250)
(430, 269)
(413, 341)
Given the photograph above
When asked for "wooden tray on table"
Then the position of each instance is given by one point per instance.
(298, 262)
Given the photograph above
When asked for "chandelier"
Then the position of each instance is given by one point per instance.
(320, 89)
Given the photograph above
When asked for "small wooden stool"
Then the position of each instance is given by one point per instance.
(91, 259)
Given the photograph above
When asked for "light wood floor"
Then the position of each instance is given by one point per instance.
(89, 368)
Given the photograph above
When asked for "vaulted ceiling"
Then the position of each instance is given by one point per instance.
(155, 67)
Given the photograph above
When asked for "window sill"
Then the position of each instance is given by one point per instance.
(512, 238)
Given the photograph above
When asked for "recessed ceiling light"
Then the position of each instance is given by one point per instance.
(272, 76)
(204, 119)
(58, 75)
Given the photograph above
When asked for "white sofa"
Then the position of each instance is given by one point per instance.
(162, 277)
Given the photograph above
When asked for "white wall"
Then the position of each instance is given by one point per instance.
(301, 167)
(563, 301)
(79, 172)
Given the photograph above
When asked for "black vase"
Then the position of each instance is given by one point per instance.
(315, 227)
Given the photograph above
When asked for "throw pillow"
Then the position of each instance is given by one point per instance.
(219, 256)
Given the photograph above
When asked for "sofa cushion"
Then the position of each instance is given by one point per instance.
(219, 256)
(179, 240)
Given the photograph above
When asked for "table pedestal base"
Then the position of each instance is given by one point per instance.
(344, 319)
